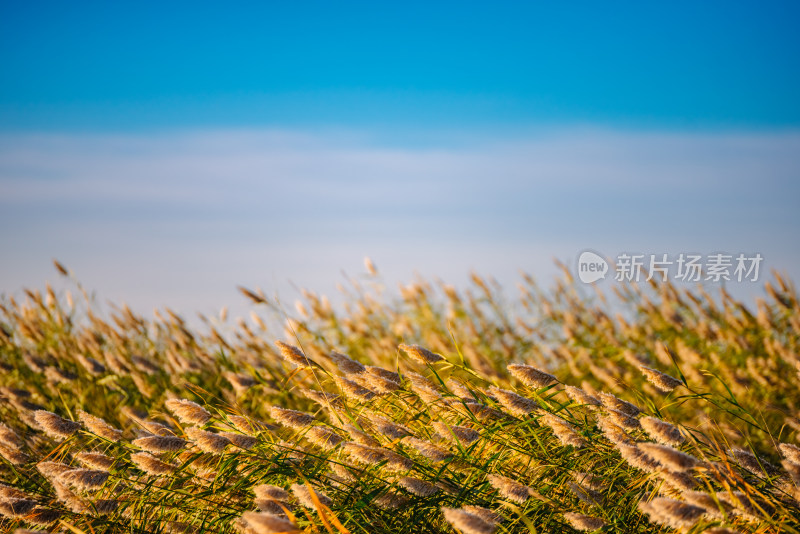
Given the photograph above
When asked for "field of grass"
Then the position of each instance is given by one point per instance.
(652, 409)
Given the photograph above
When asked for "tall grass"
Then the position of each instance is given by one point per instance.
(654, 409)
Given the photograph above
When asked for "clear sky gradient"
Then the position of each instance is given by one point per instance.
(167, 64)
(170, 151)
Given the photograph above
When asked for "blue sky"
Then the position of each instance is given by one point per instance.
(168, 152)
(121, 65)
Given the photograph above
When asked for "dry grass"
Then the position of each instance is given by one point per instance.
(441, 410)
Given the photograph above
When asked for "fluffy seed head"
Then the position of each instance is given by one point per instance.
(52, 470)
(151, 465)
(662, 431)
(323, 437)
(466, 436)
(510, 489)
(390, 501)
(95, 460)
(240, 440)
(614, 403)
(260, 523)
(99, 427)
(427, 449)
(208, 441)
(580, 396)
(160, 444)
(515, 404)
(346, 364)
(662, 381)
(9, 437)
(355, 391)
(467, 522)
(293, 355)
(790, 452)
(291, 418)
(637, 458)
(531, 376)
(564, 431)
(420, 354)
(671, 513)
(13, 454)
(362, 453)
(55, 426)
(487, 515)
(360, 436)
(669, 457)
(84, 479)
(16, 508)
(751, 462)
(268, 491)
(418, 487)
(388, 428)
(187, 411)
(584, 523)
(304, 494)
(240, 383)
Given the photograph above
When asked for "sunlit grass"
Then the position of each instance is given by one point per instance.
(439, 410)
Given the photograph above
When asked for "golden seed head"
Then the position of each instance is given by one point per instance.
(669, 457)
(510, 489)
(323, 437)
(240, 440)
(531, 376)
(207, 441)
(159, 444)
(308, 496)
(790, 452)
(355, 391)
(490, 516)
(614, 403)
(240, 382)
(52, 470)
(346, 364)
(151, 465)
(9, 437)
(363, 454)
(388, 428)
(417, 486)
(662, 431)
(293, 355)
(390, 501)
(420, 354)
(662, 381)
(564, 431)
(55, 426)
(360, 436)
(16, 508)
(467, 522)
(95, 460)
(427, 449)
(98, 426)
(261, 523)
(268, 491)
(671, 513)
(187, 411)
(291, 418)
(13, 454)
(466, 436)
(751, 462)
(84, 479)
(584, 523)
